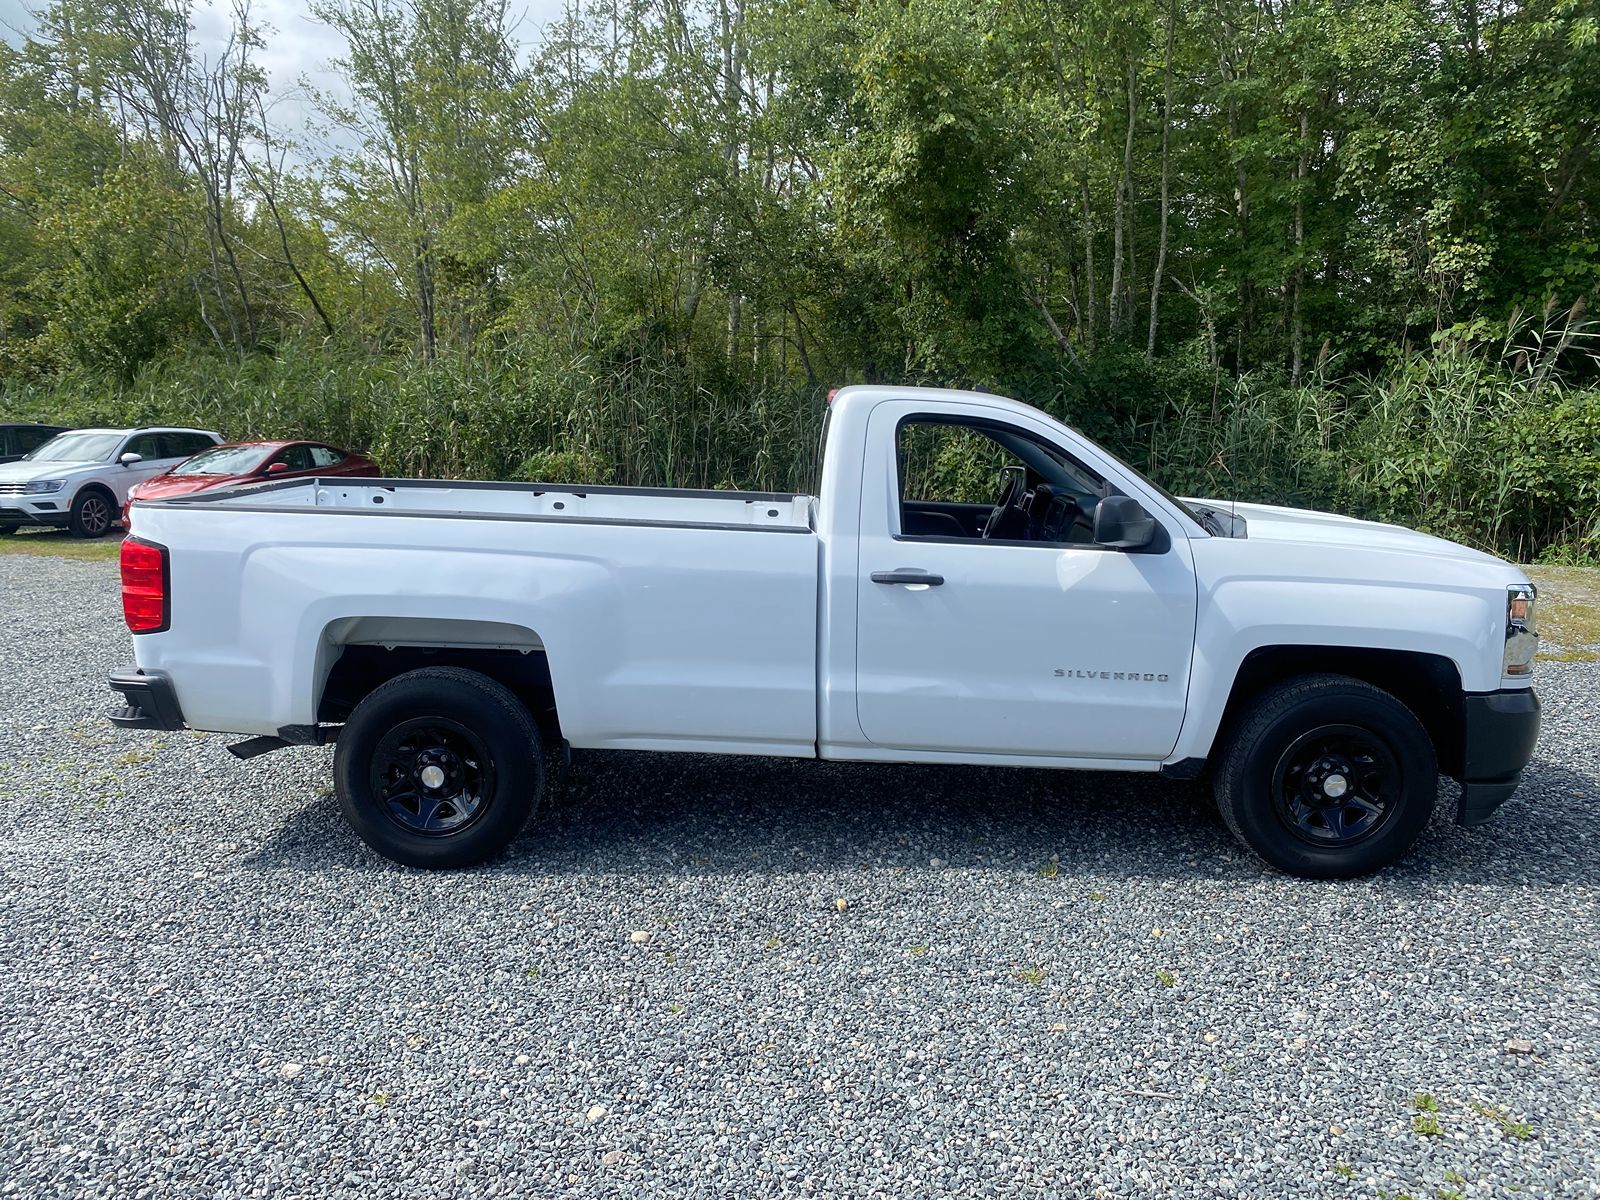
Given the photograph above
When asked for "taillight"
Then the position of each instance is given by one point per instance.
(146, 605)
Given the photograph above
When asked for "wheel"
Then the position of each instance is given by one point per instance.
(439, 768)
(92, 514)
(1327, 777)
(7, 530)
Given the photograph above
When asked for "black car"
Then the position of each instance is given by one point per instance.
(17, 440)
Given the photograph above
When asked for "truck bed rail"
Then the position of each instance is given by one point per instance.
(478, 500)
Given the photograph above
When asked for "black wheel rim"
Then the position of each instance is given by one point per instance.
(1336, 785)
(95, 515)
(432, 776)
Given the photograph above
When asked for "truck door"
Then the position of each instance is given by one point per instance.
(1014, 634)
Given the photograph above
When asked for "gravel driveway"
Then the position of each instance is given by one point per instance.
(702, 976)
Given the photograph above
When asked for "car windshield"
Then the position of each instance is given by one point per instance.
(225, 460)
(76, 447)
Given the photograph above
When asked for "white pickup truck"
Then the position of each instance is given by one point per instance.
(1323, 670)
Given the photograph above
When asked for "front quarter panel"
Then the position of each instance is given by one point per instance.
(1252, 597)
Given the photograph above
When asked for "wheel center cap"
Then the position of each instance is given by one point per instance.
(432, 776)
(1335, 786)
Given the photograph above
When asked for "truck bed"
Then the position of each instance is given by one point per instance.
(669, 619)
(520, 501)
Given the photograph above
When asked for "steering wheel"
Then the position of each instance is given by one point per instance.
(1012, 484)
(1055, 513)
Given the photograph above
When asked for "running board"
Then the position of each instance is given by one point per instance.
(257, 746)
(288, 735)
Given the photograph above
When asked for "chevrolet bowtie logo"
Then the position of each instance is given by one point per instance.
(1128, 676)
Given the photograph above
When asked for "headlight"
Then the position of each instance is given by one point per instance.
(40, 486)
(1521, 638)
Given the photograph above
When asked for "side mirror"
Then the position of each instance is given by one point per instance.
(130, 458)
(1120, 522)
(277, 468)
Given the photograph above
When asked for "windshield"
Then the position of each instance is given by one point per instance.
(225, 460)
(1186, 509)
(76, 447)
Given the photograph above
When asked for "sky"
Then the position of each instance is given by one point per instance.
(298, 47)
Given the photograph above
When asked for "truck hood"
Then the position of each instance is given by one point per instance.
(26, 472)
(181, 485)
(1275, 523)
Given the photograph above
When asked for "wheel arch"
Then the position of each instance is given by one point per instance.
(1428, 684)
(358, 654)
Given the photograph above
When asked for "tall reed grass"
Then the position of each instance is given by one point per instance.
(1484, 441)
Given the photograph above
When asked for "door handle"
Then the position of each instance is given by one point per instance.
(922, 577)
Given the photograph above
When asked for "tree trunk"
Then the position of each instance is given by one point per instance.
(427, 329)
(1123, 204)
(1092, 303)
(1061, 339)
(1166, 176)
(1296, 323)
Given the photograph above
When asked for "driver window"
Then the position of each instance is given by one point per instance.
(991, 482)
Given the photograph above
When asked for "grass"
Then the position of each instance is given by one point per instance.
(1568, 614)
(58, 543)
(1485, 443)
(1426, 1119)
(1518, 1130)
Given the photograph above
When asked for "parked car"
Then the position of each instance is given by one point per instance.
(81, 479)
(1325, 670)
(237, 463)
(16, 439)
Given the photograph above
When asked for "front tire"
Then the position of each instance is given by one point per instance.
(440, 767)
(1327, 777)
(93, 513)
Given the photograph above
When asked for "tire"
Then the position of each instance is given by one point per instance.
(1310, 760)
(93, 513)
(7, 530)
(439, 768)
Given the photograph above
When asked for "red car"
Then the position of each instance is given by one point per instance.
(250, 462)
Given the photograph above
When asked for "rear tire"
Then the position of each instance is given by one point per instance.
(440, 767)
(93, 513)
(1327, 777)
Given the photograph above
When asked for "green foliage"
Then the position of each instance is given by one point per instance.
(1493, 453)
(1282, 253)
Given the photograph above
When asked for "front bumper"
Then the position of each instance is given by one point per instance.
(1500, 730)
(16, 511)
(150, 702)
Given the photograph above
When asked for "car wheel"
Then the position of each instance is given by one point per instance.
(7, 530)
(93, 511)
(1327, 777)
(439, 768)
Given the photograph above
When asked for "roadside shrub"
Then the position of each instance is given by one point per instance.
(1488, 445)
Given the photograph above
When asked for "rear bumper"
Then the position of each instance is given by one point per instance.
(1500, 730)
(149, 701)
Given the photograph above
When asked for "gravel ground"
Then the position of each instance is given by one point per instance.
(707, 976)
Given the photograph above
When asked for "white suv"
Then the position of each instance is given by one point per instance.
(80, 479)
